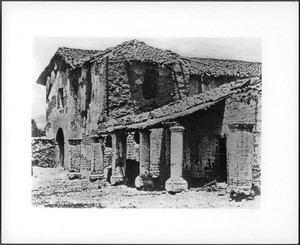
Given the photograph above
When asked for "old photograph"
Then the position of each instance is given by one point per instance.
(136, 124)
(143, 122)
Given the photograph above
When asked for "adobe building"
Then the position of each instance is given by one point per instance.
(148, 117)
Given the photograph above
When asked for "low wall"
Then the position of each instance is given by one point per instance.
(43, 152)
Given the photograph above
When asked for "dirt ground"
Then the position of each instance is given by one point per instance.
(52, 188)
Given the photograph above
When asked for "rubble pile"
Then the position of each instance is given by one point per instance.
(212, 186)
(43, 152)
(239, 194)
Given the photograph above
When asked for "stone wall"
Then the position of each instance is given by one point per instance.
(43, 152)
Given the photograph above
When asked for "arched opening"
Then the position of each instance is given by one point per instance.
(150, 84)
(61, 145)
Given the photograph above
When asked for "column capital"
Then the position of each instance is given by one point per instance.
(177, 128)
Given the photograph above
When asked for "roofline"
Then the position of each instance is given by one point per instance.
(41, 79)
(108, 51)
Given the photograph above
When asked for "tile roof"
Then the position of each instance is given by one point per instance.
(137, 50)
(76, 57)
(218, 67)
(182, 107)
(73, 57)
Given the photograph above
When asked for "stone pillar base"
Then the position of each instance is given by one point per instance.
(176, 185)
(74, 175)
(94, 177)
(117, 179)
(144, 184)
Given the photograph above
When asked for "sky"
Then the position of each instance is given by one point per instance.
(247, 49)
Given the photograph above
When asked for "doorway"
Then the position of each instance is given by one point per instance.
(61, 147)
(132, 171)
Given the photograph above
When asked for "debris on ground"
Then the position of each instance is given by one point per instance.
(52, 188)
(214, 186)
(242, 193)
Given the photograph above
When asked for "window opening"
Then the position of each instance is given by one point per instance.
(150, 84)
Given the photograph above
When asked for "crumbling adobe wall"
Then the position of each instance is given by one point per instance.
(203, 135)
(96, 108)
(125, 95)
(245, 108)
(156, 140)
(86, 153)
(74, 154)
(120, 100)
(180, 77)
(66, 115)
(43, 152)
(160, 149)
(107, 159)
(63, 104)
(164, 86)
(202, 144)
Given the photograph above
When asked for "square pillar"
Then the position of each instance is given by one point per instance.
(239, 156)
(97, 159)
(144, 180)
(74, 158)
(118, 158)
(176, 183)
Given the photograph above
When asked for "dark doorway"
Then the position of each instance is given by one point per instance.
(61, 145)
(132, 171)
(222, 171)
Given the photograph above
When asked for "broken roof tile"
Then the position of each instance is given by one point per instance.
(185, 106)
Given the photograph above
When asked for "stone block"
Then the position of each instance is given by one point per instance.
(145, 183)
(176, 185)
